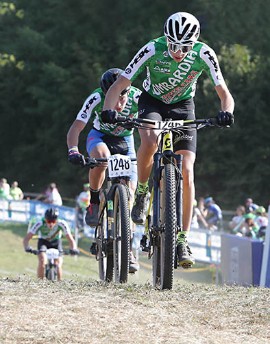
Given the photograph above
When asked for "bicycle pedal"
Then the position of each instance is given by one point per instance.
(186, 265)
(93, 248)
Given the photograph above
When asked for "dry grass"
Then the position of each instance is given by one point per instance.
(92, 312)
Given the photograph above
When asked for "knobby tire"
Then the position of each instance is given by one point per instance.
(121, 243)
(104, 250)
(168, 225)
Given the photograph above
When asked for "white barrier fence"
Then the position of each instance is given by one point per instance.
(205, 245)
(23, 211)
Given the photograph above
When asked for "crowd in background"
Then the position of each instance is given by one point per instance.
(10, 192)
(250, 219)
(14, 193)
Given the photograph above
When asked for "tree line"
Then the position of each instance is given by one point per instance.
(53, 53)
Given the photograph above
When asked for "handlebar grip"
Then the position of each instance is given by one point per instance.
(120, 118)
(213, 121)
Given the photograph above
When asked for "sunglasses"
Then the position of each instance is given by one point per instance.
(178, 47)
(50, 221)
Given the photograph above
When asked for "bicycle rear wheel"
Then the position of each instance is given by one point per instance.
(121, 243)
(168, 226)
(51, 273)
(104, 250)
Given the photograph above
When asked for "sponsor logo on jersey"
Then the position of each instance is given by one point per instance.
(87, 106)
(137, 58)
(162, 69)
(182, 78)
(181, 136)
(212, 60)
(167, 63)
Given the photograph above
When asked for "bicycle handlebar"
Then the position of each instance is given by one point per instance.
(36, 252)
(94, 162)
(164, 125)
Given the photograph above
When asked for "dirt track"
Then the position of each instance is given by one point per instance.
(91, 312)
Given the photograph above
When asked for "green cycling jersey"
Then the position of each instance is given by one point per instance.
(93, 105)
(168, 80)
(44, 232)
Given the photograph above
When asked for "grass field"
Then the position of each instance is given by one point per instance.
(14, 261)
(83, 310)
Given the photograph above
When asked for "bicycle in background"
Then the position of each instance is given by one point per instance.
(164, 216)
(51, 267)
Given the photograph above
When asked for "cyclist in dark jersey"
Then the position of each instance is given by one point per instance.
(173, 64)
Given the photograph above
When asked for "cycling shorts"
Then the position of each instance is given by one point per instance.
(116, 145)
(50, 244)
(152, 108)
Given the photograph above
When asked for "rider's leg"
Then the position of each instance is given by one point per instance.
(145, 154)
(42, 259)
(59, 263)
(188, 187)
(96, 179)
(185, 257)
(97, 174)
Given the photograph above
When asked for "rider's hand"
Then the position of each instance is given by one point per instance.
(74, 252)
(75, 157)
(28, 249)
(109, 116)
(225, 118)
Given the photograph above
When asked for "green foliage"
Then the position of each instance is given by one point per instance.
(53, 53)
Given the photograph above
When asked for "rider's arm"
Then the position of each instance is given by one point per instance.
(114, 91)
(72, 243)
(226, 99)
(26, 240)
(74, 133)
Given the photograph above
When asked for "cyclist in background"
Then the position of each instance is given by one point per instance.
(174, 63)
(104, 139)
(49, 230)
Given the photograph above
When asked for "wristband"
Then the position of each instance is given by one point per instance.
(73, 149)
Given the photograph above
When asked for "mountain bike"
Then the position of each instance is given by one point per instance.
(51, 267)
(164, 216)
(113, 232)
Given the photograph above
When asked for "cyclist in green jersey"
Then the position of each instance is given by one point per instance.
(49, 229)
(105, 139)
(173, 63)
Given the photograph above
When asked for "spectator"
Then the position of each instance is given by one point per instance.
(261, 220)
(250, 206)
(212, 214)
(238, 219)
(250, 228)
(82, 203)
(16, 192)
(52, 195)
(198, 219)
(4, 189)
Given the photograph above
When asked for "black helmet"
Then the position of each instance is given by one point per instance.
(51, 214)
(108, 78)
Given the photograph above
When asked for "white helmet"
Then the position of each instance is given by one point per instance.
(182, 28)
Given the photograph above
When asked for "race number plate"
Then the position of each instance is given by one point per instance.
(119, 165)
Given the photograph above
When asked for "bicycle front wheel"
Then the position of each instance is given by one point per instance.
(51, 273)
(104, 250)
(121, 242)
(168, 225)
